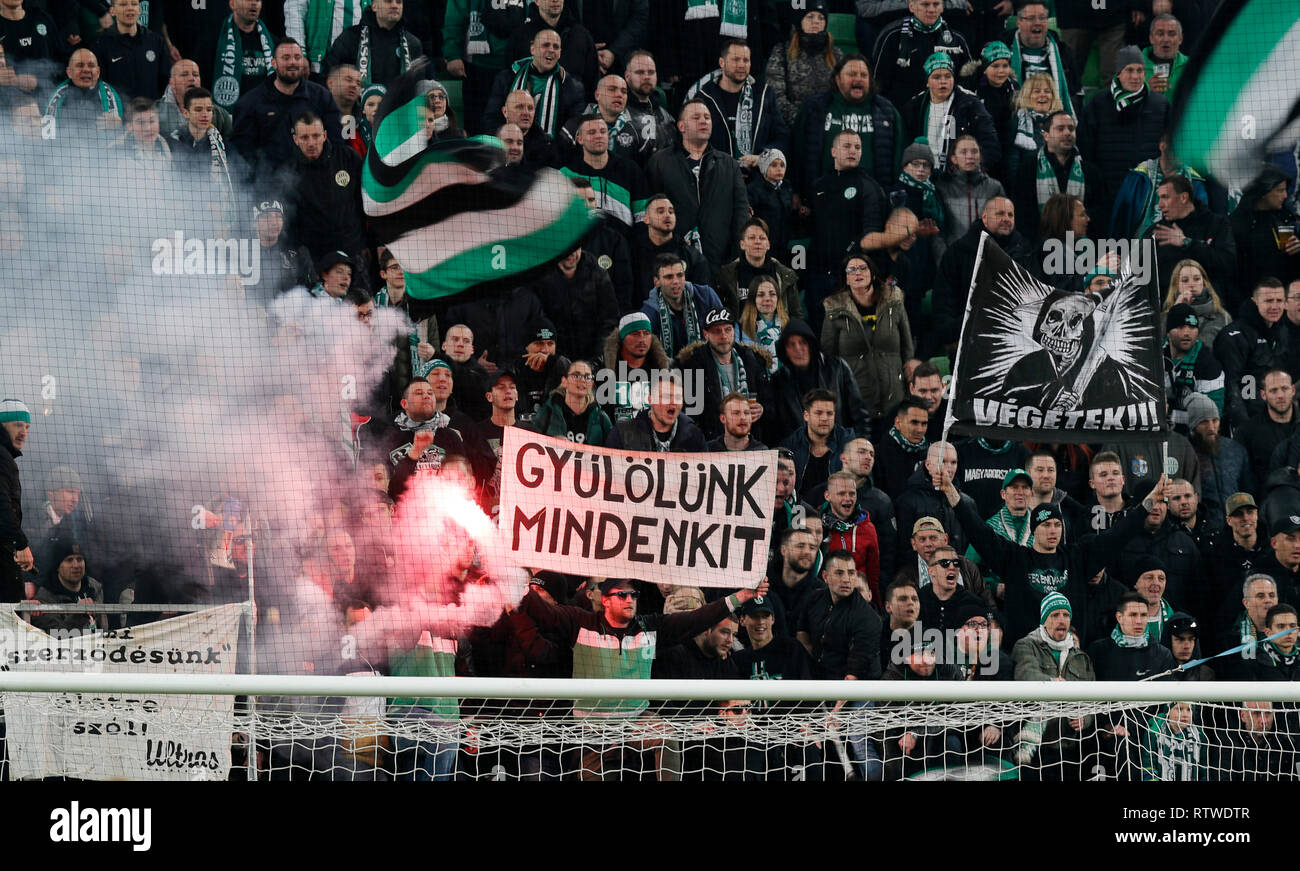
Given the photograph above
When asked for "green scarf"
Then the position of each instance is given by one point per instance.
(1156, 628)
(230, 61)
(109, 99)
(734, 14)
(614, 129)
(1123, 99)
(1125, 641)
(907, 446)
(931, 205)
(742, 142)
(1029, 134)
(544, 88)
(689, 314)
(320, 23)
(363, 53)
(911, 26)
(1053, 61)
(1009, 526)
(742, 377)
(1046, 183)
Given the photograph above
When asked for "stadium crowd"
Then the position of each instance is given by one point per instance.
(789, 225)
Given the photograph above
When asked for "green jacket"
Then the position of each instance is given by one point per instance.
(463, 34)
(550, 420)
(1175, 70)
(438, 660)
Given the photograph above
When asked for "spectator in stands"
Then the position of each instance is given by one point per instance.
(763, 316)
(1254, 747)
(1052, 652)
(282, 266)
(513, 139)
(579, 54)
(571, 412)
(926, 384)
(848, 105)
(1121, 126)
(1029, 573)
(471, 378)
(539, 147)
(725, 366)
(607, 244)
(485, 441)
(31, 44)
(15, 551)
(803, 67)
(654, 236)
(770, 655)
(1185, 645)
(68, 582)
(804, 366)
(901, 50)
(475, 46)
(1225, 466)
(380, 47)
(1188, 229)
(899, 629)
(927, 536)
(1253, 344)
(1190, 367)
(771, 199)
(625, 137)
(711, 206)
(943, 112)
(1129, 653)
(907, 748)
(676, 306)
(849, 527)
(1036, 50)
(83, 102)
(746, 118)
(132, 59)
(903, 448)
(755, 261)
(199, 150)
(1164, 540)
(840, 631)
(817, 444)
(540, 369)
(1106, 481)
(238, 55)
(737, 426)
(1164, 59)
(1233, 553)
(1184, 510)
(1259, 594)
(922, 496)
(557, 92)
(661, 426)
(266, 116)
(983, 466)
(316, 24)
(644, 102)
(944, 598)
(1260, 222)
(952, 286)
(619, 184)
(796, 565)
(1151, 583)
(1137, 207)
(630, 356)
(1278, 659)
(965, 189)
(1262, 435)
(344, 84)
(706, 656)
(578, 297)
(1189, 285)
(1057, 168)
(859, 459)
(420, 438)
(59, 516)
(323, 191)
(142, 146)
(848, 204)
(184, 76)
(1037, 101)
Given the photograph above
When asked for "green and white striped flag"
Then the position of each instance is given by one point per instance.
(449, 213)
(1239, 97)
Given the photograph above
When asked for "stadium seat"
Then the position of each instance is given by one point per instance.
(455, 97)
(840, 26)
(942, 362)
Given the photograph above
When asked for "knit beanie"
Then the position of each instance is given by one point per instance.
(631, 323)
(1200, 407)
(1129, 54)
(1042, 514)
(995, 51)
(938, 61)
(1053, 602)
(769, 157)
(918, 150)
(14, 410)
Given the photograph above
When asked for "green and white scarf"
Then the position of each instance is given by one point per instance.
(317, 23)
(220, 165)
(1028, 129)
(109, 99)
(1156, 627)
(742, 377)
(734, 14)
(1053, 61)
(1123, 640)
(689, 315)
(620, 122)
(230, 61)
(907, 446)
(363, 53)
(1046, 183)
(544, 88)
(742, 142)
(911, 26)
(1011, 527)
(931, 205)
(1123, 99)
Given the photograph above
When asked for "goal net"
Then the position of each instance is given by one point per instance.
(752, 730)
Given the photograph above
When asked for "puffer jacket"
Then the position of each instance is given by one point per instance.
(1034, 661)
(794, 81)
(963, 195)
(1117, 141)
(876, 357)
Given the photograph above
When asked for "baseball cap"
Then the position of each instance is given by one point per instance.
(331, 259)
(1013, 474)
(267, 206)
(715, 316)
(1238, 501)
(502, 372)
(757, 605)
(927, 523)
(1286, 524)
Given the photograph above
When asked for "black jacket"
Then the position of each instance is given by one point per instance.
(941, 615)
(698, 355)
(623, 28)
(12, 538)
(138, 66)
(919, 499)
(263, 123)
(571, 100)
(1185, 569)
(1118, 141)
(885, 139)
(788, 387)
(644, 252)
(385, 49)
(845, 636)
(394, 442)
(768, 125)
(636, 435)
(1113, 662)
(847, 204)
(774, 205)
(577, 48)
(898, 69)
(714, 203)
(1212, 246)
(583, 308)
(1024, 192)
(1247, 348)
(607, 244)
(501, 322)
(324, 215)
(969, 116)
(952, 284)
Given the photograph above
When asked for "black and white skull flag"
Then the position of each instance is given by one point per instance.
(1041, 364)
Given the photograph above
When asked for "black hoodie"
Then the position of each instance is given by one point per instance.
(823, 370)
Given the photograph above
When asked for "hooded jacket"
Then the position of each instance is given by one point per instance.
(823, 370)
(874, 356)
(552, 420)
(713, 203)
(699, 356)
(964, 195)
(704, 298)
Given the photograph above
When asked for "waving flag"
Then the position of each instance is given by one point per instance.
(1045, 365)
(450, 212)
(1239, 97)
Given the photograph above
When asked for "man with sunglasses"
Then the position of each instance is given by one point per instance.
(944, 597)
(615, 642)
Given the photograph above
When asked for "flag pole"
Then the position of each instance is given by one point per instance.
(949, 416)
